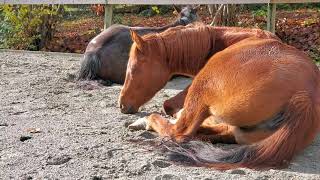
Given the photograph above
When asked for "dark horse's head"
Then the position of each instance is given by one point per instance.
(188, 14)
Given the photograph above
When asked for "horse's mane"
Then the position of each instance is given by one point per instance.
(184, 47)
(187, 48)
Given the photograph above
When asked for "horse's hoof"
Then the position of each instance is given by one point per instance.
(140, 124)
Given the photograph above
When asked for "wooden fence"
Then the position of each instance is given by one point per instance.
(108, 10)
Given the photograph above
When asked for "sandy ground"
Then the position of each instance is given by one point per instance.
(54, 128)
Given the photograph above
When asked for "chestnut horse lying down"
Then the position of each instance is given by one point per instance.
(209, 40)
(260, 93)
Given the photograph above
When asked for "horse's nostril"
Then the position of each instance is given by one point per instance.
(124, 109)
(127, 109)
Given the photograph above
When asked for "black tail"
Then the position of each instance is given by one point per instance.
(90, 67)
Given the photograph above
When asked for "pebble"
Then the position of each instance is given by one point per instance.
(238, 171)
(25, 138)
(97, 178)
(27, 178)
(58, 160)
(167, 177)
(34, 130)
(89, 95)
(76, 94)
(4, 124)
(103, 132)
(161, 164)
(146, 167)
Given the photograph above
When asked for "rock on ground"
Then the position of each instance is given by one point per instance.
(79, 133)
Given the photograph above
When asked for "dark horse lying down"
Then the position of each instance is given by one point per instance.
(107, 55)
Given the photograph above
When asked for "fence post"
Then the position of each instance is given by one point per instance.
(271, 19)
(107, 15)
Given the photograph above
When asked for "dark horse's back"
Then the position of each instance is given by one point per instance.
(106, 55)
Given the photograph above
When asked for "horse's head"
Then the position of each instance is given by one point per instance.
(188, 14)
(146, 74)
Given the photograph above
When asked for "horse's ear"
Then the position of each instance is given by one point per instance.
(177, 8)
(137, 39)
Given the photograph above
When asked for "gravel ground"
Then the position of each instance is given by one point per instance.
(54, 128)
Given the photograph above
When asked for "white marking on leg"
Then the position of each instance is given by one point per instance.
(173, 121)
(179, 113)
(140, 124)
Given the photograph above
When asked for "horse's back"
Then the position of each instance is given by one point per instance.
(254, 79)
(111, 33)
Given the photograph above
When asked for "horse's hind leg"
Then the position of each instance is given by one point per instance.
(251, 136)
(173, 105)
(216, 133)
(224, 133)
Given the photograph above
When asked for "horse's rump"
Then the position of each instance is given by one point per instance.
(253, 86)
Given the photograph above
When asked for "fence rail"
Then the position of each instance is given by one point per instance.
(109, 3)
(155, 2)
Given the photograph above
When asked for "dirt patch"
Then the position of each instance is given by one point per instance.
(75, 133)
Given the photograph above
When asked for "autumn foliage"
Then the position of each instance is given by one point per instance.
(299, 27)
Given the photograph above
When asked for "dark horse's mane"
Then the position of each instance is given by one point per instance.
(184, 47)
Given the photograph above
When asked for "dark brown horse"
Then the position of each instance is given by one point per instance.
(106, 56)
(218, 38)
(258, 92)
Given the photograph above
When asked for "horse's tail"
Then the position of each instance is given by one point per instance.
(300, 126)
(90, 67)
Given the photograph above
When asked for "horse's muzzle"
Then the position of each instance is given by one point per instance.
(127, 109)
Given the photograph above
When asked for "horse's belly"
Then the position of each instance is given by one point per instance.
(245, 109)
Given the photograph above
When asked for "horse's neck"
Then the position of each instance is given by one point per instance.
(226, 37)
(186, 61)
(146, 30)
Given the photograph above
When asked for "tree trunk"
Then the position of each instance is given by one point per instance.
(49, 25)
(223, 14)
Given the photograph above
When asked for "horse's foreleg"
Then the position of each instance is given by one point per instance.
(159, 124)
(174, 104)
(185, 127)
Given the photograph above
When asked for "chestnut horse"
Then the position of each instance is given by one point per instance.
(210, 39)
(260, 93)
(107, 54)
